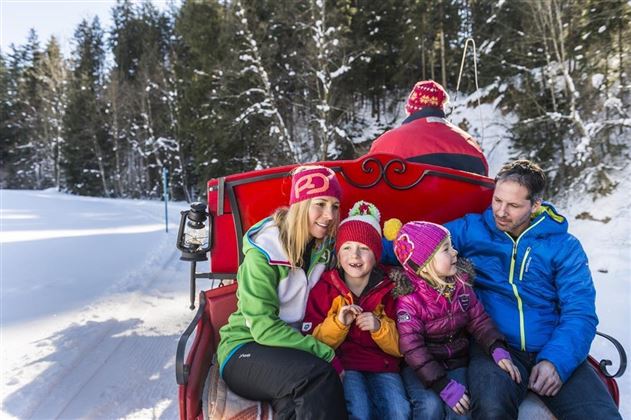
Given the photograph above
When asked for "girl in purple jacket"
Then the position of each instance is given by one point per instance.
(436, 310)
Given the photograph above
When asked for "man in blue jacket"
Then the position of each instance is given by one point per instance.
(534, 281)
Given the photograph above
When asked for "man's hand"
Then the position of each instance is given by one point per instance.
(367, 321)
(544, 379)
(348, 313)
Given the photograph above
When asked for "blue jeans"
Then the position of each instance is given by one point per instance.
(494, 395)
(375, 396)
(427, 404)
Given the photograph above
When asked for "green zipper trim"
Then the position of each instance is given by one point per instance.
(322, 255)
(523, 264)
(522, 328)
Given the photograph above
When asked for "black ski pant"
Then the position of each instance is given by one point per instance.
(298, 384)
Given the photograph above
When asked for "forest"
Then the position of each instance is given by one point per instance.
(208, 88)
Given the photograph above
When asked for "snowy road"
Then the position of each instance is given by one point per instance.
(89, 324)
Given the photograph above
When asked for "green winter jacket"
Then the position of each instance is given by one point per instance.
(272, 297)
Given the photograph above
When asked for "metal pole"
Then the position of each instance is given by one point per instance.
(192, 284)
(165, 180)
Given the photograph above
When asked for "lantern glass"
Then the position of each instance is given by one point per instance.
(195, 236)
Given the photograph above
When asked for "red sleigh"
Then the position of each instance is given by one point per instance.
(408, 191)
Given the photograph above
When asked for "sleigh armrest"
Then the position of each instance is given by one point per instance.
(621, 354)
(181, 369)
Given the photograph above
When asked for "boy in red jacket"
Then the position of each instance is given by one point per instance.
(352, 310)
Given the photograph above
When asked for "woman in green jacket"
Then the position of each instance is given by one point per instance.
(262, 353)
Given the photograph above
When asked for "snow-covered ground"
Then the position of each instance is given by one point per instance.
(93, 301)
(604, 229)
(94, 298)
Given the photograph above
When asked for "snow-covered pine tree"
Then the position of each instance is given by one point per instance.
(87, 148)
(51, 75)
(14, 130)
(204, 111)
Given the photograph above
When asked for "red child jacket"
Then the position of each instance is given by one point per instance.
(358, 350)
(427, 137)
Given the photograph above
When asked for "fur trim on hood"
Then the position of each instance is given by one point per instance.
(404, 286)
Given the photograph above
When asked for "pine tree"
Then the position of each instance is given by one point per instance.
(141, 99)
(379, 75)
(87, 148)
(51, 75)
(204, 129)
(20, 125)
(7, 133)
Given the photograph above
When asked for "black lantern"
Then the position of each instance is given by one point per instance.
(193, 235)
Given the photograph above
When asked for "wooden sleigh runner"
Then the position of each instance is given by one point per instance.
(405, 190)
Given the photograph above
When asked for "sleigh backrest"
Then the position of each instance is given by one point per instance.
(405, 190)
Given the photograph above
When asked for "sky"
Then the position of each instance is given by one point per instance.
(51, 17)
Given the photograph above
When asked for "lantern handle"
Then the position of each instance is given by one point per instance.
(180, 232)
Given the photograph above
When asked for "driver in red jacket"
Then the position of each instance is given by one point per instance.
(425, 136)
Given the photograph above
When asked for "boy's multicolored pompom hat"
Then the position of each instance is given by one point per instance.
(361, 225)
(417, 242)
(313, 182)
(426, 93)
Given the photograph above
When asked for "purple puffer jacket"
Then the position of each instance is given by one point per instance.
(433, 329)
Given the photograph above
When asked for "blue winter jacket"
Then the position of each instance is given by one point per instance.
(537, 288)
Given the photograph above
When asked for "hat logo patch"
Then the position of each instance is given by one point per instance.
(306, 183)
(306, 326)
(403, 248)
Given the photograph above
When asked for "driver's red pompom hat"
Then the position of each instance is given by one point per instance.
(313, 182)
(426, 93)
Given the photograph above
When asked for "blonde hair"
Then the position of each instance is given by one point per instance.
(293, 224)
(430, 275)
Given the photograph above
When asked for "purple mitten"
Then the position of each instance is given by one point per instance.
(452, 393)
(500, 353)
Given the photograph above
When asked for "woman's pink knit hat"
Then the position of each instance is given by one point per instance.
(417, 242)
(316, 181)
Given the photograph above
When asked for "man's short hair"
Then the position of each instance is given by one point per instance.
(525, 173)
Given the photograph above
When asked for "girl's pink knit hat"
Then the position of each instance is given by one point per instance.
(417, 242)
(317, 181)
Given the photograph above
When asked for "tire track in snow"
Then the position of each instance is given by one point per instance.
(100, 352)
(84, 382)
(119, 348)
(94, 379)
